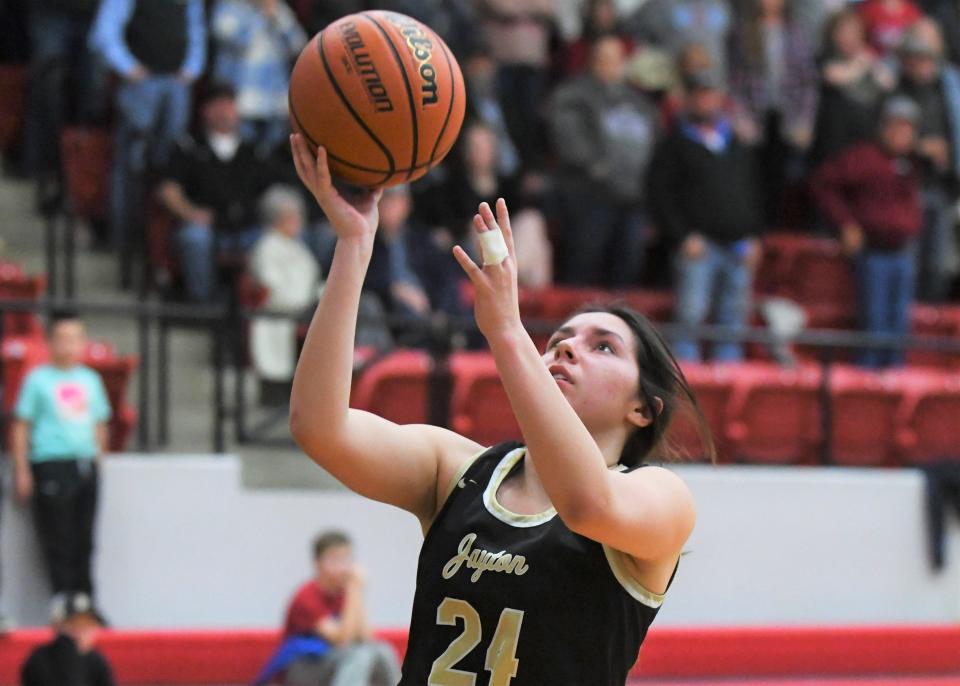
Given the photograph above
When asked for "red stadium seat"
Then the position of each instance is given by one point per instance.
(116, 373)
(395, 387)
(21, 287)
(13, 84)
(822, 274)
(928, 426)
(774, 414)
(713, 387)
(864, 408)
(479, 408)
(935, 320)
(121, 428)
(18, 356)
(87, 155)
(559, 302)
(657, 306)
(776, 266)
(160, 229)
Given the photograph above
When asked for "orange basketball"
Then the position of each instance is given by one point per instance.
(382, 93)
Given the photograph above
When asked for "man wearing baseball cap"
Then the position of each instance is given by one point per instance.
(871, 194)
(70, 659)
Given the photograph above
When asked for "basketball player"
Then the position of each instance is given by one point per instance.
(543, 563)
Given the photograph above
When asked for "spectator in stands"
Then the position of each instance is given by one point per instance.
(65, 86)
(284, 266)
(775, 87)
(854, 81)
(675, 24)
(934, 84)
(58, 438)
(518, 32)
(871, 193)
(212, 187)
(704, 197)
(604, 133)
(600, 17)
(70, 659)
(484, 104)
(886, 21)
(446, 211)
(694, 58)
(392, 276)
(157, 49)
(256, 42)
(327, 635)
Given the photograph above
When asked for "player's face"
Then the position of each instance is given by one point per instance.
(335, 565)
(593, 359)
(67, 342)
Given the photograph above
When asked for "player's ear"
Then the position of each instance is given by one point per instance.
(642, 413)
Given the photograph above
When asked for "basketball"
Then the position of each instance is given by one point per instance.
(382, 93)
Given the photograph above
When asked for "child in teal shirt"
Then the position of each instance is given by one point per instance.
(59, 432)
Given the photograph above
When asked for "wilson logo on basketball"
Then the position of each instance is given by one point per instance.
(363, 63)
(422, 48)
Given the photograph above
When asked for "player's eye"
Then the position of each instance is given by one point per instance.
(604, 346)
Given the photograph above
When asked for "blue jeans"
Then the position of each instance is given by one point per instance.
(197, 246)
(720, 280)
(152, 115)
(67, 84)
(885, 281)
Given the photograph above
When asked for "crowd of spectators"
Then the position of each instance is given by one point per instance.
(638, 143)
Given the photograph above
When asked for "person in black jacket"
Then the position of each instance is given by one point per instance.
(70, 659)
(704, 198)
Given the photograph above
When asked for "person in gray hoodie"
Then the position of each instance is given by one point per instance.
(604, 133)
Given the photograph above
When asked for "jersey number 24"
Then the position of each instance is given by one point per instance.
(501, 661)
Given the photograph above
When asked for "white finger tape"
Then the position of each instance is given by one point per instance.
(493, 247)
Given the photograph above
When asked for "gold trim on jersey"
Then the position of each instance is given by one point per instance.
(636, 590)
(500, 473)
(452, 485)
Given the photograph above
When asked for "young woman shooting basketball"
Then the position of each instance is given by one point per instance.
(543, 563)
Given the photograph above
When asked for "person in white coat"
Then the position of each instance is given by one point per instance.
(282, 264)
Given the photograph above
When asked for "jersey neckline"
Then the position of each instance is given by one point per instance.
(500, 473)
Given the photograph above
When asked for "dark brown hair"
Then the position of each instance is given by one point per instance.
(327, 540)
(660, 377)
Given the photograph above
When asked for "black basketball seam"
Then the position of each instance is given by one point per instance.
(346, 103)
(453, 94)
(303, 131)
(406, 82)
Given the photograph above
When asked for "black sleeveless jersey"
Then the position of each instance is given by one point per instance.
(505, 599)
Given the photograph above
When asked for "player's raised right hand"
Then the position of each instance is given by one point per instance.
(353, 212)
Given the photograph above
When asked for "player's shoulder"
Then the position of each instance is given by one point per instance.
(665, 480)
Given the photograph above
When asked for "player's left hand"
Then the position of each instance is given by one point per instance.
(496, 305)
